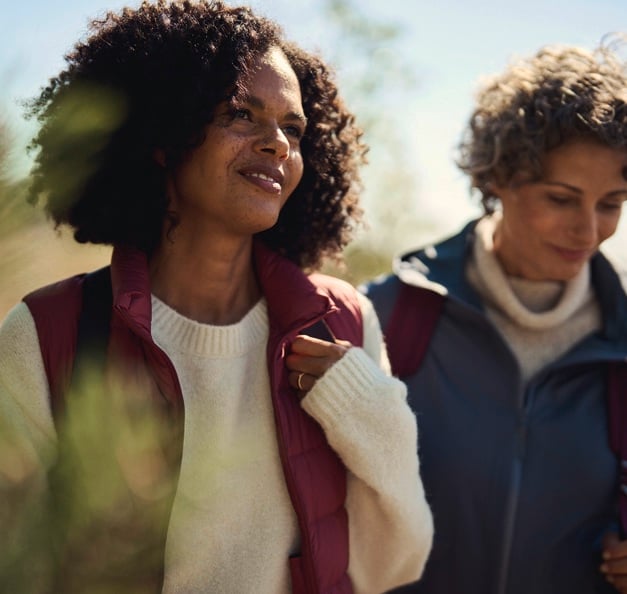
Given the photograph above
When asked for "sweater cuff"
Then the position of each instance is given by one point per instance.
(355, 382)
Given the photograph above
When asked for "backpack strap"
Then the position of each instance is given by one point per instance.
(71, 316)
(411, 325)
(92, 337)
(617, 421)
(412, 322)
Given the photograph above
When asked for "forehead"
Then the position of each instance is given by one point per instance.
(583, 154)
(272, 75)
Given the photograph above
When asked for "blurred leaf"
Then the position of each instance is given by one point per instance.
(76, 131)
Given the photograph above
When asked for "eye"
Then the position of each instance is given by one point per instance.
(560, 200)
(610, 206)
(294, 131)
(241, 113)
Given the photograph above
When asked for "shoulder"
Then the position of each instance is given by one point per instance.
(55, 311)
(336, 287)
(344, 295)
(607, 263)
(24, 392)
(347, 320)
(16, 331)
(19, 349)
(56, 306)
(57, 296)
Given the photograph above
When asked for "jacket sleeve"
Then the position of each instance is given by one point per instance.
(366, 418)
(27, 439)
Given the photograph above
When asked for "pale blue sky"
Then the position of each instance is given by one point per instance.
(450, 43)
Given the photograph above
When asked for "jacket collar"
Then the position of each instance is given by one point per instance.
(131, 287)
(293, 300)
(441, 267)
(610, 292)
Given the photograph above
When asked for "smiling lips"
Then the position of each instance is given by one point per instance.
(270, 180)
(573, 255)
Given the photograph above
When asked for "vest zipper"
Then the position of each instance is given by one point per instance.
(277, 361)
(511, 510)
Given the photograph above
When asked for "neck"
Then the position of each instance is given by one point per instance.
(208, 283)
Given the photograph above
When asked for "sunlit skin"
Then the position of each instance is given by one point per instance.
(551, 227)
(229, 188)
(614, 564)
(237, 181)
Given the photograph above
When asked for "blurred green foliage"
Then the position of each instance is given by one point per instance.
(87, 512)
(110, 462)
(75, 132)
(15, 212)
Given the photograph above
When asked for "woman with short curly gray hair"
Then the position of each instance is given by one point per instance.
(513, 392)
(560, 94)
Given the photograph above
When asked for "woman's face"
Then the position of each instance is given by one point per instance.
(550, 228)
(237, 181)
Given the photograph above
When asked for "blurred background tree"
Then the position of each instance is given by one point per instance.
(408, 69)
(376, 76)
(373, 73)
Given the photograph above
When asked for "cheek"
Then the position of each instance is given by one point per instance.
(296, 170)
(547, 219)
(607, 226)
(543, 225)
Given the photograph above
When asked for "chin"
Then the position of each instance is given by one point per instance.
(263, 224)
(565, 275)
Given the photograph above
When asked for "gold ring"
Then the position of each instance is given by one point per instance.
(300, 377)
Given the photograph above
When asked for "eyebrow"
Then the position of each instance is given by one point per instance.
(259, 104)
(577, 190)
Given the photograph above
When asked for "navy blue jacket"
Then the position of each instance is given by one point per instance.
(520, 476)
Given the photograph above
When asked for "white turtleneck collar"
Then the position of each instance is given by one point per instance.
(540, 320)
(532, 304)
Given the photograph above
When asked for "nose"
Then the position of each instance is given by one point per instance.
(272, 140)
(584, 227)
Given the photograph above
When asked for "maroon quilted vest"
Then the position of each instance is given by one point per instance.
(314, 475)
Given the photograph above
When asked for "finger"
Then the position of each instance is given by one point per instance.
(619, 582)
(303, 382)
(315, 366)
(613, 547)
(315, 347)
(615, 567)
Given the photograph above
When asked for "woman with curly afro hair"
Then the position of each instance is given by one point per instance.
(524, 366)
(208, 413)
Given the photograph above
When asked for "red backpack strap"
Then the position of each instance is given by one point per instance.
(72, 321)
(55, 310)
(617, 410)
(411, 325)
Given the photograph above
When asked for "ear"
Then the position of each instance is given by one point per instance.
(495, 189)
(159, 156)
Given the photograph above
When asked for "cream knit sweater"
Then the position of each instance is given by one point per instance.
(233, 526)
(540, 320)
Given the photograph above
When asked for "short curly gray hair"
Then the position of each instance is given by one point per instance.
(537, 104)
